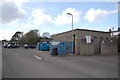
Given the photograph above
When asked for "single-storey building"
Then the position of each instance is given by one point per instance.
(88, 42)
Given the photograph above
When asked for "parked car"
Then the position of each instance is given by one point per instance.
(16, 45)
(10, 45)
(5, 45)
(32, 46)
(21, 45)
(13, 45)
(26, 46)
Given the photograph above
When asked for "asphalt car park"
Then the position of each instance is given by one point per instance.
(31, 63)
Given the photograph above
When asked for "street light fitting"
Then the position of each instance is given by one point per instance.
(72, 19)
(69, 14)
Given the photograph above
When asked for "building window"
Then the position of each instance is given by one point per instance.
(101, 38)
(107, 39)
(95, 37)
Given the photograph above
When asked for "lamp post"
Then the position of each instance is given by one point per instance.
(72, 19)
(73, 34)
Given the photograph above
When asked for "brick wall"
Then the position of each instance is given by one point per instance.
(109, 47)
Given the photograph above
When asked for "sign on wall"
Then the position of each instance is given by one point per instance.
(55, 43)
(88, 39)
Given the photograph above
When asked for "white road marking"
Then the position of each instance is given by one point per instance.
(38, 57)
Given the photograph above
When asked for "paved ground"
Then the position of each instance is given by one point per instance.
(28, 63)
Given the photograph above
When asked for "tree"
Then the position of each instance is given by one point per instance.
(46, 35)
(29, 38)
(17, 36)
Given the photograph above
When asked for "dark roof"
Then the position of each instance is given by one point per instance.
(81, 30)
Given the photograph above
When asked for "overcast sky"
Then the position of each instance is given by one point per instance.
(17, 15)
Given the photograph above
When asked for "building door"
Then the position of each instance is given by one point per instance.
(55, 51)
(74, 44)
(99, 47)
